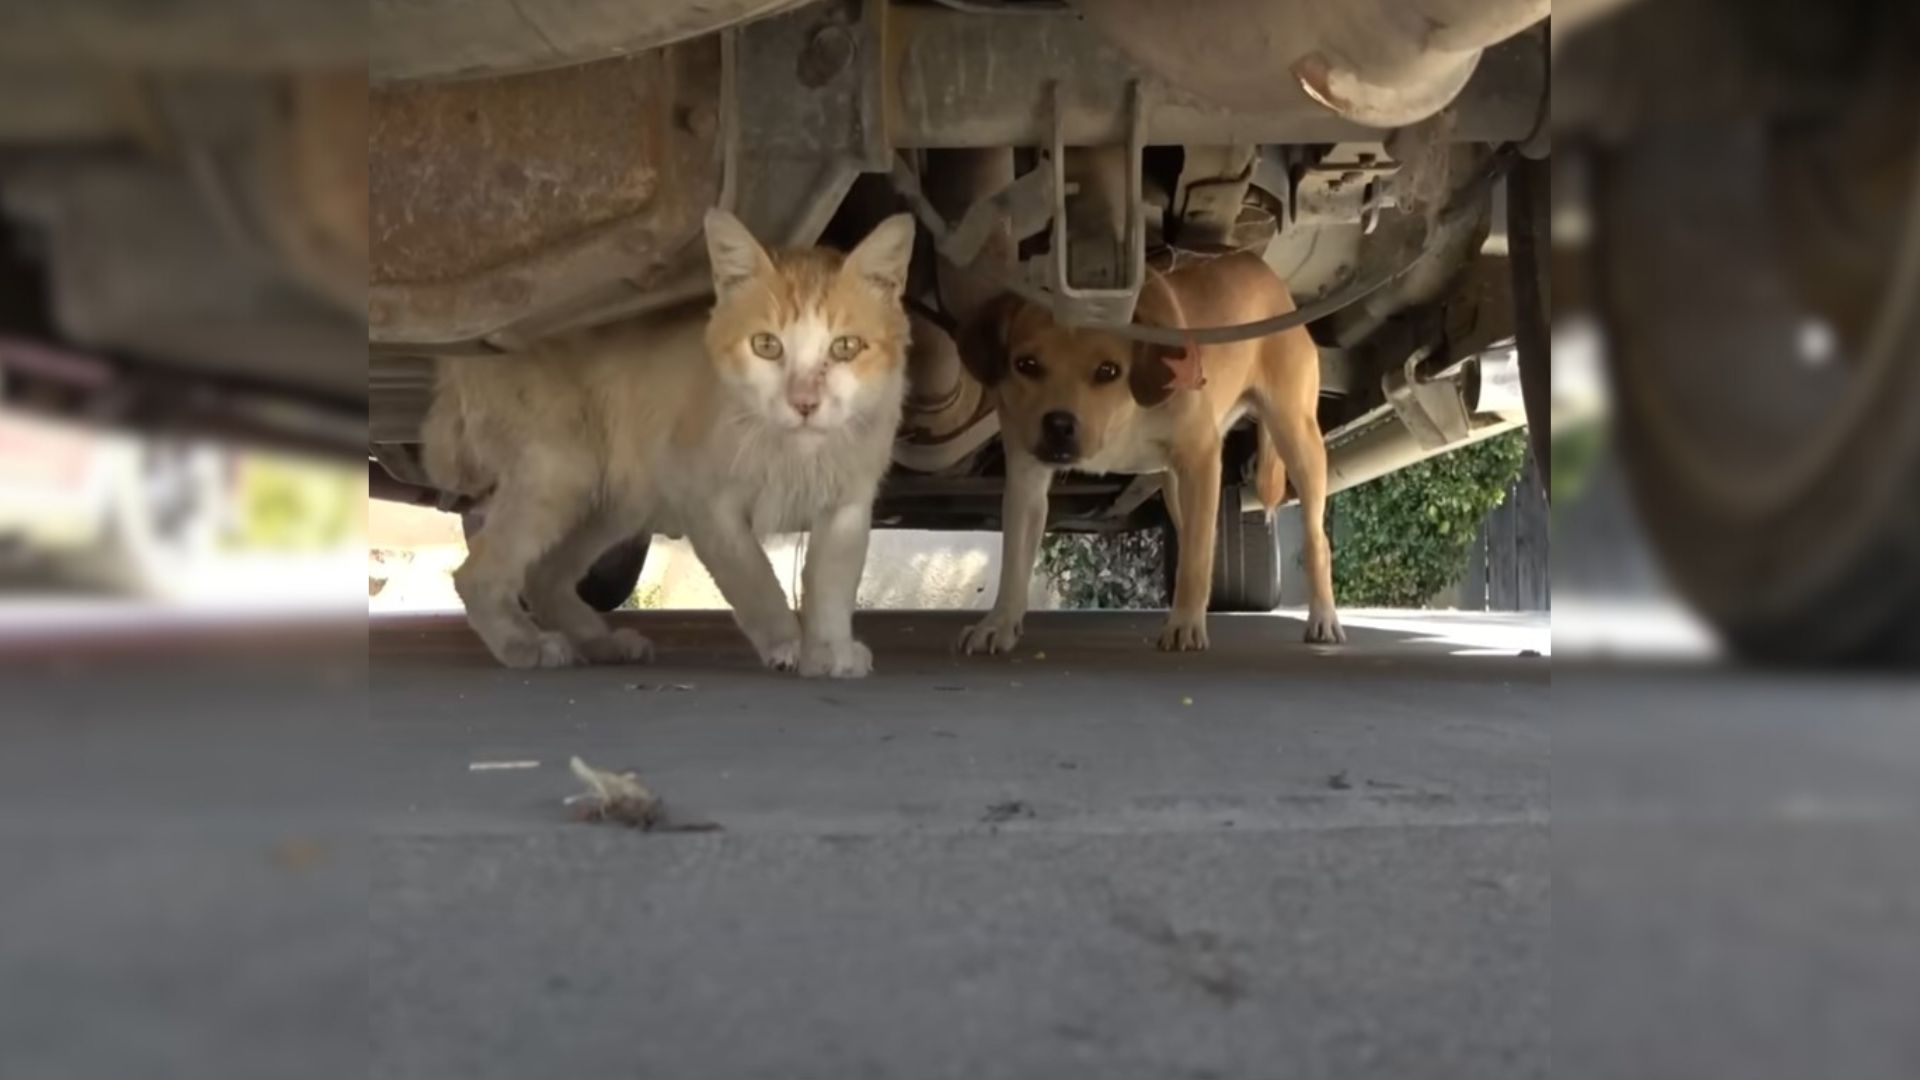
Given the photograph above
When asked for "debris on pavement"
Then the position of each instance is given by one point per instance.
(1339, 782)
(623, 799)
(1006, 811)
(662, 688)
(617, 797)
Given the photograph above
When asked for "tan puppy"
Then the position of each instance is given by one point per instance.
(1090, 401)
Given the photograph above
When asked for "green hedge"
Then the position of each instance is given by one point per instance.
(1402, 538)
(1106, 571)
(1399, 540)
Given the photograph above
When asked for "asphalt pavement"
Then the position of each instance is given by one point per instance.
(1090, 859)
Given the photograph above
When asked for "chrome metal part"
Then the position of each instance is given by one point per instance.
(1095, 275)
(1435, 410)
(958, 80)
(1379, 63)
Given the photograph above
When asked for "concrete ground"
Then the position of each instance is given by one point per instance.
(1089, 860)
(239, 851)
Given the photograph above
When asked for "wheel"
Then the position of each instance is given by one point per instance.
(1757, 288)
(609, 581)
(1529, 188)
(1247, 559)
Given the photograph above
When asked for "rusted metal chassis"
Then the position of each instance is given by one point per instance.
(506, 209)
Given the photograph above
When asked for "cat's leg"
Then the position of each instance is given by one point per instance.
(1023, 519)
(524, 521)
(836, 555)
(733, 556)
(551, 593)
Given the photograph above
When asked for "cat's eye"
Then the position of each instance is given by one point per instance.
(846, 347)
(766, 346)
(1027, 365)
(1106, 372)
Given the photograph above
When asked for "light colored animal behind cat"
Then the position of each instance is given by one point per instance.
(775, 414)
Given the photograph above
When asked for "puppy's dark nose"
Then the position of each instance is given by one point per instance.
(1059, 438)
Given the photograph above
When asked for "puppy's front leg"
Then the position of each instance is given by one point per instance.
(1196, 489)
(1023, 519)
(836, 554)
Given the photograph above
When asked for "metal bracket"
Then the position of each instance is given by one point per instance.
(1076, 301)
(1024, 205)
(801, 111)
(1345, 187)
(1433, 409)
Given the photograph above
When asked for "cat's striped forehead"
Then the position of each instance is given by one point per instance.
(804, 283)
(808, 286)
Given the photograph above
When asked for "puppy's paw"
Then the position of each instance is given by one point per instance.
(1184, 634)
(782, 655)
(544, 650)
(623, 646)
(843, 659)
(990, 635)
(1323, 628)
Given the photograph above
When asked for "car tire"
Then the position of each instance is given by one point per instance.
(1529, 198)
(609, 581)
(1247, 559)
(1782, 507)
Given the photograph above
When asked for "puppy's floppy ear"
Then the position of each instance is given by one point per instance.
(1151, 376)
(882, 258)
(735, 256)
(983, 342)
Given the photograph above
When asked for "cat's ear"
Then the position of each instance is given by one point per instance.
(983, 341)
(882, 258)
(736, 257)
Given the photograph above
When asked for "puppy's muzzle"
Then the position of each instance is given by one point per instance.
(1059, 439)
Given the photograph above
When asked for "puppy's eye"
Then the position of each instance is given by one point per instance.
(1106, 372)
(846, 347)
(1027, 365)
(766, 347)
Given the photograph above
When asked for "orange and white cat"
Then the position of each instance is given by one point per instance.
(776, 413)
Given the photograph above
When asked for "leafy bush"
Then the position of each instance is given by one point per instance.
(1107, 570)
(1402, 538)
(1399, 539)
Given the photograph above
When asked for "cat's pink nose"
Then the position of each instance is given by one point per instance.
(806, 407)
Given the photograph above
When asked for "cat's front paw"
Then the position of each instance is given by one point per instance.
(543, 650)
(623, 646)
(843, 659)
(782, 655)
